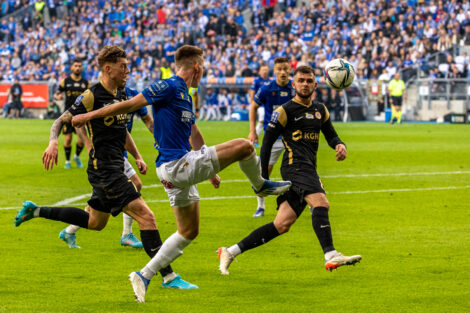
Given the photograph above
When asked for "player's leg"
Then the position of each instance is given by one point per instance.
(127, 237)
(321, 225)
(67, 146)
(243, 151)
(78, 150)
(399, 113)
(285, 218)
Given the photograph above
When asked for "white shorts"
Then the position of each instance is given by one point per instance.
(179, 177)
(260, 112)
(128, 169)
(276, 152)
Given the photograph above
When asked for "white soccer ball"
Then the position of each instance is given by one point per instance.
(339, 74)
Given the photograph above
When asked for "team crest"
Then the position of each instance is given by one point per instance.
(284, 93)
(309, 116)
(318, 115)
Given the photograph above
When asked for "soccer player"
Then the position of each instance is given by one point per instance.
(299, 122)
(257, 83)
(270, 96)
(113, 192)
(178, 168)
(396, 88)
(73, 86)
(68, 235)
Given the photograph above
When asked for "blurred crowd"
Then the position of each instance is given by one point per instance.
(378, 37)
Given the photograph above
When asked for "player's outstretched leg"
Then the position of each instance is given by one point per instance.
(26, 213)
(272, 188)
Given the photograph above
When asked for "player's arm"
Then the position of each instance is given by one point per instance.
(274, 129)
(127, 106)
(81, 132)
(332, 137)
(196, 138)
(60, 90)
(148, 121)
(132, 149)
(49, 156)
(253, 137)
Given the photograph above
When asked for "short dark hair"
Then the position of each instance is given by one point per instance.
(304, 69)
(76, 61)
(281, 60)
(186, 55)
(110, 54)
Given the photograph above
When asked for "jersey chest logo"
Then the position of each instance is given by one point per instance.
(318, 115)
(284, 93)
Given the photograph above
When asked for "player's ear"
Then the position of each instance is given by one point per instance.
(316, 84)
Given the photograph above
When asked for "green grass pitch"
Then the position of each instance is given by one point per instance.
(400, 199)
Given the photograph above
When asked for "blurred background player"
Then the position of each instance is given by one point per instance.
(270, 96)
(396, 87)
(127, 237)
(299, 122)
(257, 83)
(73, 86)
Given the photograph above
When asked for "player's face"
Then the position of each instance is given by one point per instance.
(282, 70)
(304, 84)
(118, 72)
(264, 71)
(77, 68)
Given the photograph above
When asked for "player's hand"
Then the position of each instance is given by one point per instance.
(50, 155)
(341, 152)
(79, 120)
(215, 181)
(141, 166)
(253, 137)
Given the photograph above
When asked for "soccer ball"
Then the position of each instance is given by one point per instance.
(339, 74)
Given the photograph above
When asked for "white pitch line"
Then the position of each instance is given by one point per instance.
(84, 196)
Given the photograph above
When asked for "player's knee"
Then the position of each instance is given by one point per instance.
(283, 226)
(246, 147)
(96, 224)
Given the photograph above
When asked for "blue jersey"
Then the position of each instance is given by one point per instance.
(173, 117)
(257, 83)
(271, 96)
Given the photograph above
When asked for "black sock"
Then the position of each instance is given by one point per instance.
(322, 228)
(69, 215)
(152, 243)
(78, 149)
(258, 237)
(68, 151)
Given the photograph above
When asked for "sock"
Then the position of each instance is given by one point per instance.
(322, 228)
(69, 215)
(259, 128)
(78, 150)
(260, 202)
(399, 116)
(126, 224)
(68, 151)
(251, 166)
(72, 229)
(169, 277)
(170, 250)
(234, 250)
(330, 254)
(258, 237)
(152, 242)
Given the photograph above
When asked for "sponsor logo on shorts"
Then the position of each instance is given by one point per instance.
(167, 184)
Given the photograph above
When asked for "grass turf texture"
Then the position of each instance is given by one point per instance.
(413, 236)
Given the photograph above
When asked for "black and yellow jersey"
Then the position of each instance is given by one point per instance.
(299, 127)
(108, 134)
(72, 88)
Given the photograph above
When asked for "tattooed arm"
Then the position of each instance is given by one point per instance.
(50, 155)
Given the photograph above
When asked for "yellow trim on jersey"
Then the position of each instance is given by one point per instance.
(90, 130)
(95, 164)
(282, 117)
(304, 105)
(62, 84)
(327, 114)
(88, 100)
(289, 150)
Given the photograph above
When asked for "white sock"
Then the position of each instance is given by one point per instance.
(126, 224)
(170, 250)
(251, 166)
(72, 229)
(260, 202)
(234, 250)
(259, 128)
(36, 212)
(67, 162)
(169, 277)
(330, 254)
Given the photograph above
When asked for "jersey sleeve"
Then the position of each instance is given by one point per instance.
(275, 127)
(159, 91)
(260, 96)
(61, 86)
(84, 103)
(253, 85)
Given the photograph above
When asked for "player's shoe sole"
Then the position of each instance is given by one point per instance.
(179, 283)
(273, 188)
(131, 240)
(69, 239)
(26, 213)
(139, 284)
(259, 212)
(225, 260)
(340, 260)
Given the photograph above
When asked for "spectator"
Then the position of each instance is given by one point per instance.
(16, 105)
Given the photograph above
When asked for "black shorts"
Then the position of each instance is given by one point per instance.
(112, 190)
(68, 128)
(305, 181)
(397, 100)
